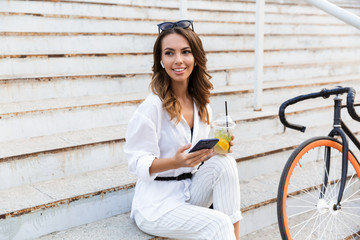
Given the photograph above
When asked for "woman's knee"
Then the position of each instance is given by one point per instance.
(220, 228)
(226, 164)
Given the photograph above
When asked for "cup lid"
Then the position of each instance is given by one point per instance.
(224, 121)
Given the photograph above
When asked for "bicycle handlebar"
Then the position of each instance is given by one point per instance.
(325, 93)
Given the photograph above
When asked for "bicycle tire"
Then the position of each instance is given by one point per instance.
(302, 213)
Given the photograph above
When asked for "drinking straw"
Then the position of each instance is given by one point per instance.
(226, 113)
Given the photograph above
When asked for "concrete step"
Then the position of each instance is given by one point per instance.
(47, 208)
(119, 227)
(274, 93)
(45, 65)
(291, 72)
(30, 160)
(24, 43)
(30, 211)
(271, 233)
(197, 10)
(30, 89)
(99, 63)
(47, 202)
(258, 199)
(51, 116)
(65, 23)
(56, 115)
(258, 206)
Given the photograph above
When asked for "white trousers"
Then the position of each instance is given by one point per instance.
(215, 182)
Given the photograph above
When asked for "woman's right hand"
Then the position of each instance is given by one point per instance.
(182, 159)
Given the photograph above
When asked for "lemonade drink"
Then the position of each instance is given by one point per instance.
(223, 130)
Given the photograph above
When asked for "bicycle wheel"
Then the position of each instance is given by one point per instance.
(305, 213)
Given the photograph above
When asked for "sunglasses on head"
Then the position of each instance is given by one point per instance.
(182, 24)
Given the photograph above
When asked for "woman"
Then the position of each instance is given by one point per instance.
(173, 194)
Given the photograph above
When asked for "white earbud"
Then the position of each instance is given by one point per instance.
(161, 63)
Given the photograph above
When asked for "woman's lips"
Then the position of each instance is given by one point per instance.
(179, 70)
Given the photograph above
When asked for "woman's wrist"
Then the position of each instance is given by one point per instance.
(162, 164)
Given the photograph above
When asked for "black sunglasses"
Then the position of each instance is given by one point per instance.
(182, 24)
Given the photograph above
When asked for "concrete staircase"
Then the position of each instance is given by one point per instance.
(73, 72)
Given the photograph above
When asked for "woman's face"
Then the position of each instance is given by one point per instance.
(177, 57)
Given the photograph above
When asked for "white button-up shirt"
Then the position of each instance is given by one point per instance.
(151, 134)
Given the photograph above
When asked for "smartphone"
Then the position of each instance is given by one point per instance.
(204, 144)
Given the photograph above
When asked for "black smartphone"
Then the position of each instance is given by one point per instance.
(204, 144)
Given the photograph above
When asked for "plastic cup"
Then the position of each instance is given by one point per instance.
(223, 130)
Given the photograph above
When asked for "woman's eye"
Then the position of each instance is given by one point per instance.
(186, 52)
(168, 53)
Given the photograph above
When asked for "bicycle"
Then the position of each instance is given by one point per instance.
(319, 191)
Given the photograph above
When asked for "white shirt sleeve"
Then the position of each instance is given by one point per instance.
(141, 147)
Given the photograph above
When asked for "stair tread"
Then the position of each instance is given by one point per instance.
(117, 132)
(147, 70)
(118, 177)
(55, 192)
(84, 101)
(60, 141)
(270, 233)
(102, 134)
(113, 228)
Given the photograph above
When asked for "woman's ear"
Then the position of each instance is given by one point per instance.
(161, 63)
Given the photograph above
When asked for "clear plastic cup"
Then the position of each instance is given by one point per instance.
(223, 130)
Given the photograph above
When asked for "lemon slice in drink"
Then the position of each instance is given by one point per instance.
(222, 147)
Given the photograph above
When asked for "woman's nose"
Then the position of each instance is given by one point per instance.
(178, 58)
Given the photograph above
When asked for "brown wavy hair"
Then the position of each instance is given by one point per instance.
(199, 82)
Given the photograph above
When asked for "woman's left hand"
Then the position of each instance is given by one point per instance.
(231, 143)
(230, 151)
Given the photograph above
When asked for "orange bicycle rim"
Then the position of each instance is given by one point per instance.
(328, 143)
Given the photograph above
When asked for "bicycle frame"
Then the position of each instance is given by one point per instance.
(339, 129)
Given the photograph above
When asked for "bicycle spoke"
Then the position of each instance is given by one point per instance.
(347, 227)
(304, 212)
(313, 229)
(325, 227)
(356, 192)
(305, 223)
(303, 200)
(304, 206)
(351, 214)
(319, 224)
(353, 200)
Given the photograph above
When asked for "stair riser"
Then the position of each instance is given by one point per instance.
(275, 96)
(62, 87)
(37, 89)
(156, 13)
(60, 163)
(106, 10)
(271, 162)
(258, 218)
(293, 72)
(56, 121)
(64, 216)
(24, 23)
(45, 122)
(55, 165)
(50, 44)
(42, 66)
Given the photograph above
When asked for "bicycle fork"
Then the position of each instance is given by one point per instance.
(337, 131)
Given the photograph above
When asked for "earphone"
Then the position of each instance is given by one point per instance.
(161, 63)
